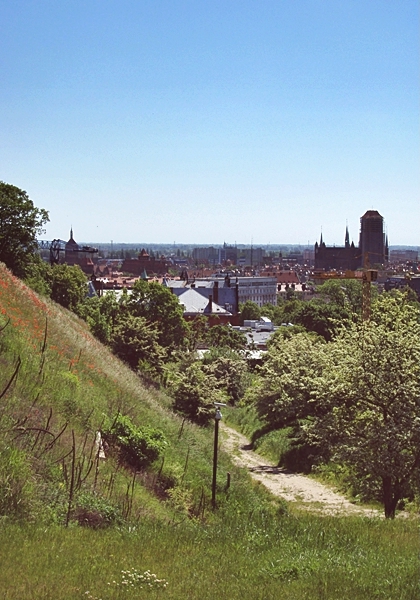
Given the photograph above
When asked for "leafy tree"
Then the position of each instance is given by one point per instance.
(284, 392)
(285, 333)
(135, 341)
(38, 276)
(373, 382)
(346, 293)
(160, 307)
(274, 313)
(20, 224)
(68, 285)
(90, 310)
(198, 328)
(250, 311)
(230, 371)
(355, 398)
(101, 314)
(323, 319)
(224, 336)
(195, 393)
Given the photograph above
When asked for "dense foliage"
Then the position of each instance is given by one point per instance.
(138, 447)
(354, 400)
(20, 223)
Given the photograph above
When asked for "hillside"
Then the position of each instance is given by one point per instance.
(59, 387)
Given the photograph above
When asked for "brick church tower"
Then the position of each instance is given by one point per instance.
(372, 243)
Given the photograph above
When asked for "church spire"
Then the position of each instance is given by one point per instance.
(347, 238)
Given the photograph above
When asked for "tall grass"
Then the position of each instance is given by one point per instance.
(55, 377)
(250, 556)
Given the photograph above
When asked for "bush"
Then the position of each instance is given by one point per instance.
(95, 511)
(137, 446)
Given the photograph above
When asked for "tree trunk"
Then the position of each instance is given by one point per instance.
(391, 496)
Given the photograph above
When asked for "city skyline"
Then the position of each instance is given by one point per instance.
(239, 121)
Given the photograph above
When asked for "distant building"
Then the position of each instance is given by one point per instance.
(261, 290)
(373, 246)
(400, 283)
(79, 255)
(215, 256)
(338, 258)
(223, 292)
(402, 256)
(372, 249)
(144, 262)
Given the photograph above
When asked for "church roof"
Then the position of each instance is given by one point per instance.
(371, 214)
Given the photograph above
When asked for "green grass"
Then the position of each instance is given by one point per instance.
(68, 379)
(255, 556)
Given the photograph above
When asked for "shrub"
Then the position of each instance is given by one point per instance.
(95, 511)
(137, 446)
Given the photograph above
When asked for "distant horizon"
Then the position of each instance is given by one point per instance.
(217, 244)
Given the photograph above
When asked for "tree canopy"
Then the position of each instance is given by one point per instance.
(356, 398)
(68, 285)
(20, 224)
(159, 306)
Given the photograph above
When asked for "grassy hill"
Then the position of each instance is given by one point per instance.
(58, 388)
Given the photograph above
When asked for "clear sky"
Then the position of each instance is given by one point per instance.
(207, 121)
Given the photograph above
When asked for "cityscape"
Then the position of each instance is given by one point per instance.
(215, 280)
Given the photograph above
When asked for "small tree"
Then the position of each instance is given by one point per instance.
(224, 336)
(229, 370)
(159, 306)
(195, 393)
(20, 224)
(250, 311)
(135, 341)
(68, 285)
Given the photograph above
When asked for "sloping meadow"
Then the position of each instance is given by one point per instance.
(150, 532)
(59, 387)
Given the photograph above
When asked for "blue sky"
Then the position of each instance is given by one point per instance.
(207, 121)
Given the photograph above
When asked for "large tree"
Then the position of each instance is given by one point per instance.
(356, 398)
(20, 224)
(370, 391)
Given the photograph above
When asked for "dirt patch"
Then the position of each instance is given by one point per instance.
(292, 487)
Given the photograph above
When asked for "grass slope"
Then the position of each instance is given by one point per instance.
(54, 377)
(54, 374)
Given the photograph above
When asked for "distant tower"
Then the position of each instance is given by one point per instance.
(372, 240)
(71, 254)
(347, 238)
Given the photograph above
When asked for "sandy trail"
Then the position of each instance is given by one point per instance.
(292, 487)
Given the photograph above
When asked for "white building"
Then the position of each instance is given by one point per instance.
(261, 290)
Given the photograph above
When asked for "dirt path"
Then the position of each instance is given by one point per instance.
(310, 494)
